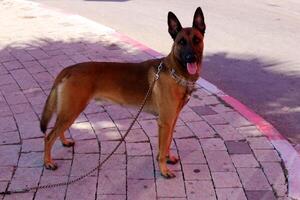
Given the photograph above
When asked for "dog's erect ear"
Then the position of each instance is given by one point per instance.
(174, 25)
(198, 22)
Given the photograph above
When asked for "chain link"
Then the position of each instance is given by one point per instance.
(159, 68)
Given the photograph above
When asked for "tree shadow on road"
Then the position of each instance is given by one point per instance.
(262, 84)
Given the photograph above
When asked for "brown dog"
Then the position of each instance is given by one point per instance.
(127, 84)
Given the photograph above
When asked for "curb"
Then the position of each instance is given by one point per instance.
(289, 155)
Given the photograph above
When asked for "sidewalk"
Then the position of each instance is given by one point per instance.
(223, 155)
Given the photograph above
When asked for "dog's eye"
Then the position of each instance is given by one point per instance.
(182, 41)
(196, 40)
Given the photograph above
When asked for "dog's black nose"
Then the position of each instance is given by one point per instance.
(190, 58)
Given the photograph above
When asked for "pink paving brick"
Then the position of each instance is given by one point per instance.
(260, 143)
(6, 79)
(3, 186)
(117, 161)
(32, 159)
(24, 79)
(52, 193)
(190, 144)
(23, 196)
(33, 67)
(244, 160)
(249, 131)
(274, 172)
(109, 134)
(226, 180)
(141, 189)
(9, 155)
(21, 108)
(83, 163)
(200, 190)
(201, 129)
(212, 144)
(214, 119)
(228, 132)
(235, 119)
(260, 195)
(25, 177)
(112, 182)
(63, 170)
(108, 146)
(192, 157)
(82, 131)
(190, 117)
(140, 167)
(221, 108)
(111, 197)
(253, 179)
(150, 127)
(219, 161)
(9, 138)
(231, 194)
(87, 146)
(267, 155)
(238, 147)
(11, 65)
(82, 189)
(138, 149)
(100, 121)
(36, 144)
(123, 124)
(6, 173)
(182, 132)
(196, 172)
(136, 135)
(174, 188)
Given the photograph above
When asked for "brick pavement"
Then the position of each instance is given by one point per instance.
(223, 155)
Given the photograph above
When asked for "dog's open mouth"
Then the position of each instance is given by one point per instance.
(192, 68)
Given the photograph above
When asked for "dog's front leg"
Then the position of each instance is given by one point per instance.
(165, 125)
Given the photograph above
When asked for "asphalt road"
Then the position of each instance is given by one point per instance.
(252, 47)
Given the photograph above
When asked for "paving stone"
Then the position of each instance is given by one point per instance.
(150, 127)
(100, 121)
(136, 135)
(253, 179)
(141, 189)
(259, 143)
(249, 131)
(7, 124)
(226, 180)
(212, 144)
(29, 129)
(274, 172)
(138, 149)
(192, 157)
(260, 195)
(201, 129)
(108, 146)
(267, 155)
(235, 119)
(33, 67)
(3, 186)
(244, 160)
(118, 112)
(231, 194)
(205, 193)
(9, 155)
(219, 161)
(31, 145)
(82, 131)
(109, 134)
(11, 65)
(182, 132)
(25, 177)
(214, 119)
(140, 167)
(87, 146)
(111, 197)
(52, 193)
(6, 173)
(32, 159)
(190, 144)
(238, 147)
(21, 108)
(10, 138)
(123, 124)
(196, 172)
(112, 182)
(228, 132)
(82, 189)
(83, 163)
(23, 196)
(189, 117)
(174, 188)
(117, 161)
(221, 108)
(24, 79)
(203, 110)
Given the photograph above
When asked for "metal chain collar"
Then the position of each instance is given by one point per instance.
(159, 68)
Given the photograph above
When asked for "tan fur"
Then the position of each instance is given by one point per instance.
(125, 84)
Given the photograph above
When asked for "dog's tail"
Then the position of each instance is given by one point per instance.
(49, 108)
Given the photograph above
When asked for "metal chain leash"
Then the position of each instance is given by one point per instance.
(159, 68)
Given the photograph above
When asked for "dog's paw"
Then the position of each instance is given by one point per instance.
(168, 174)
(68, 143)
(172, 160)
(50, 165)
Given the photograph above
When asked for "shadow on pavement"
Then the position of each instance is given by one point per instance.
(272, 93)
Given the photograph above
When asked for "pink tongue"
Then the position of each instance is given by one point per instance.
(192, 68)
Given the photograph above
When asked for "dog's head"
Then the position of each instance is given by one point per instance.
(188, 42)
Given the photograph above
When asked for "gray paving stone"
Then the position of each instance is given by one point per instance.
(260, 195)
(174, 188)
(205, 193)
(140, 167)
(112, 182)
(219, 161)
(253, 179)
(240, 147)
(244, 160)
(226, 180)
(141, 189)
(231, 194)
(196, 172)
(213, 144)
(203, 110)
(267, 155)
(260, 143)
